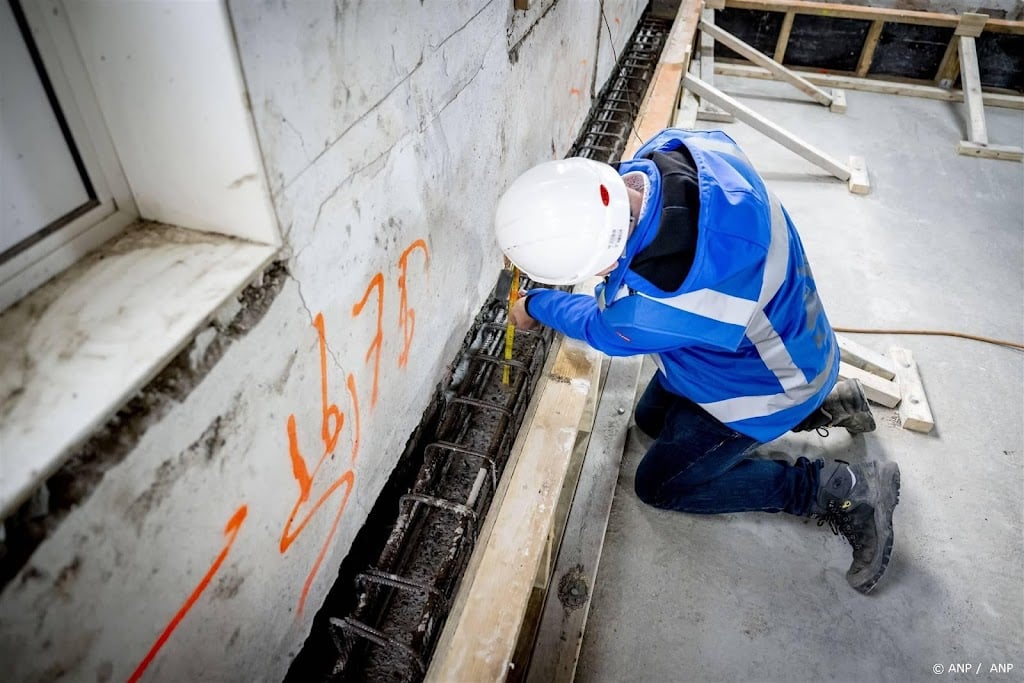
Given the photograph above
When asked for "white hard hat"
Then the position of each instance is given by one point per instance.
(564, 221)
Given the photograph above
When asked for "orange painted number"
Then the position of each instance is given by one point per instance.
(332, 423)
(407, 315)
(378, 339)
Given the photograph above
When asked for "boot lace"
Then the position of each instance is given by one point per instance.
(839, 521)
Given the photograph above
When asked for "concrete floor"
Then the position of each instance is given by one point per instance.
(938, 244)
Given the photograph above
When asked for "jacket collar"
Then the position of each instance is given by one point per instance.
(646, 225)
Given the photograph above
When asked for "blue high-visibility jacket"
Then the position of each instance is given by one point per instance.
(744, 336)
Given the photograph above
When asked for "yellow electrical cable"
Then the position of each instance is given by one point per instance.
(937, 333)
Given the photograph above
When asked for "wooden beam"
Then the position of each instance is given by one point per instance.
(874, 85)
(557, 646)
(977, 128)
(658, 108)
(914, 411)
(478, 643)
(763, 60)
(706, 55)
(841, 11)
(977, 142)
(877, 390)
(859, 181)
(838, 105)
(990, 151)
(783, 42)
(760, 123)
(867, 53)
(686, 118)
(949, 67)
(971, 24)
(864, 358)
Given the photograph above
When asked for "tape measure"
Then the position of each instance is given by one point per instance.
(510, 328)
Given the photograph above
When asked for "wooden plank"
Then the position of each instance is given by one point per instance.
(763, 60)
(783, 41)
(914, 411)
(867, 53)
(687, 116)
(662, 98)
(978, 131)
(859, 182)
(535, 605)
(873, 85)
(949, 67)
(563, 622)
(971, 24)
(866, 13)
(708, 111)
(484, 533)
(478, 644)
(760, 123)
(881, 391)
(864, 358)
(838, 105)
(990, 151)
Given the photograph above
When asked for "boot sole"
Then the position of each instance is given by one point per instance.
(883, 520)
(860, 424)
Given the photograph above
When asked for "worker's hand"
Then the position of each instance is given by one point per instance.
(520, 318)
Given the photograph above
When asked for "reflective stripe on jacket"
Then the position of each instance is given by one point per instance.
(744, 336)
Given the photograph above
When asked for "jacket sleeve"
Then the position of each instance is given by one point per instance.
(578, 316)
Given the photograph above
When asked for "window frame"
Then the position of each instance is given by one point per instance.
(115, 208)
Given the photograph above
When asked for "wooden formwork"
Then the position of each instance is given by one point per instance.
(911, 41)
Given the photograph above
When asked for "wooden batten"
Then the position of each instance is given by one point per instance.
(867, 53)
(969, 24)
(915, 413)
(865, 13)
(658, 108)
(888, 87)
(783, 42)
(514, 549)
(763, 60)
(949, 67)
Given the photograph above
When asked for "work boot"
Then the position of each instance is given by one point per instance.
(845, 406)
(857, 501)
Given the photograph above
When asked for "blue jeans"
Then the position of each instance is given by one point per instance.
(699, 465)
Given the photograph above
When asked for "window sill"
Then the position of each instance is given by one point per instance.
(75, 350)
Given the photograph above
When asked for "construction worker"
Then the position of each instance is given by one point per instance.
(704, 271)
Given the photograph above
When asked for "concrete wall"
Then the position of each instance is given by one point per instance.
(388, 129)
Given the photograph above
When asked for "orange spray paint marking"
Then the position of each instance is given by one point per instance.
(378, 339)
(230, 530)
(406, 315)
(348, 478)
(355, 413)
(332, 423)
(330, 411)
